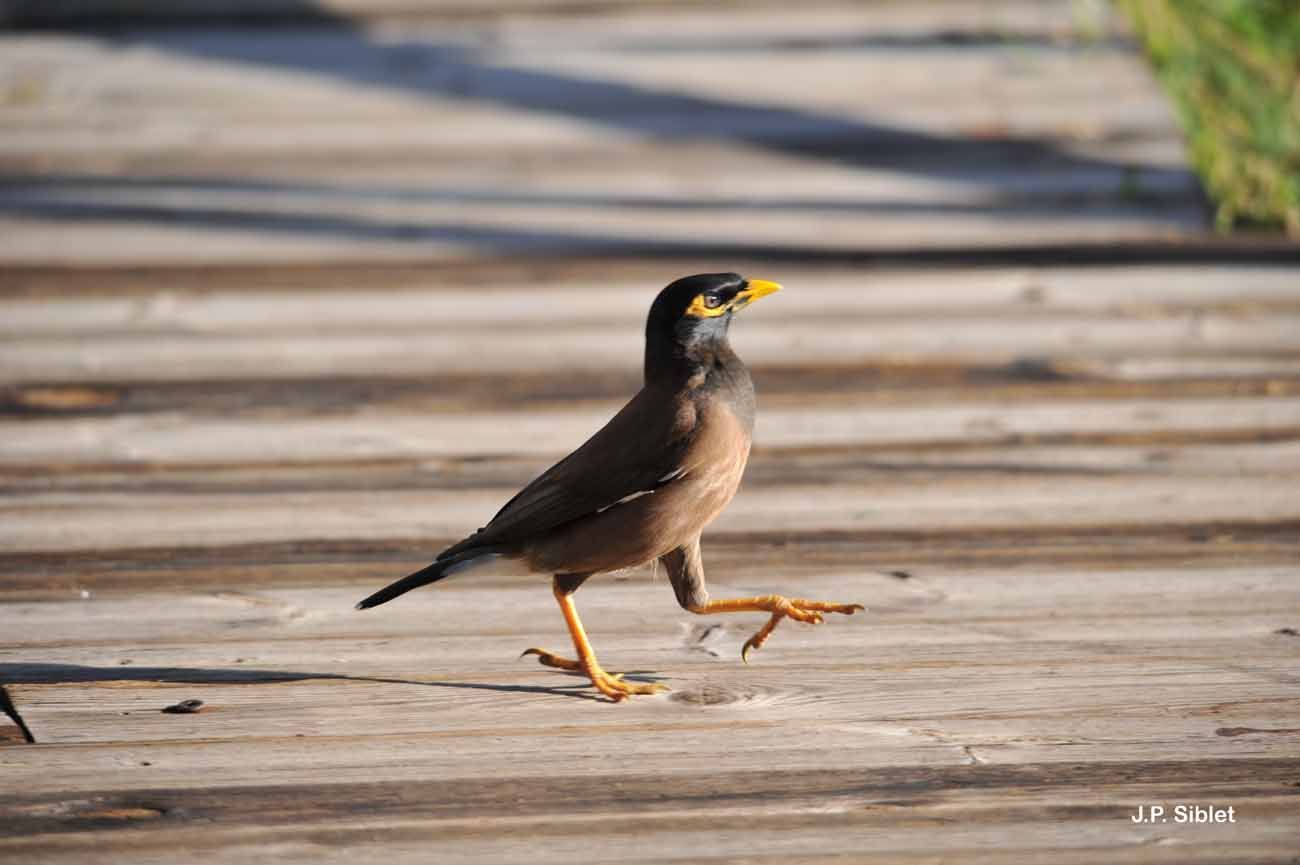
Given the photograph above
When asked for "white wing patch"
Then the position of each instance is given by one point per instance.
(671, 476)
(636, 495)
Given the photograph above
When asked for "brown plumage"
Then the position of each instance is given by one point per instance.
(646, 484)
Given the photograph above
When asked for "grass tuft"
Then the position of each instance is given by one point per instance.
(1233, 66)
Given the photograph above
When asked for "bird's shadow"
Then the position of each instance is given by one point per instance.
(64, 674)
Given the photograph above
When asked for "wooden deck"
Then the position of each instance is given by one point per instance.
(283, 309)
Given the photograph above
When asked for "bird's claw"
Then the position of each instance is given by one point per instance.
(618, 690)
(550, 659)
(809, 612)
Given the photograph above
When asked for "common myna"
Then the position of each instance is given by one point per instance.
(644, 486)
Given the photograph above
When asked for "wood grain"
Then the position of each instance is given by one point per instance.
(286, 309)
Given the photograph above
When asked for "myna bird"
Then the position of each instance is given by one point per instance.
(643, 487)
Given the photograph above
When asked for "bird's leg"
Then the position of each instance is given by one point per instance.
(611, 686)
(565, 584)
(799, 609)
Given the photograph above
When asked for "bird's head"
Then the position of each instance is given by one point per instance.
(692, 315)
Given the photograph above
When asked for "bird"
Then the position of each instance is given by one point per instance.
(644, 486)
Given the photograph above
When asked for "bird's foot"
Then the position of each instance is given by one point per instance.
(617, 688)
(800, 610)
(612, 685)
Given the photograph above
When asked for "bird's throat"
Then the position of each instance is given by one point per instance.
(696, 352)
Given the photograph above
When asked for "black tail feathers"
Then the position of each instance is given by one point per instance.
(438, 570)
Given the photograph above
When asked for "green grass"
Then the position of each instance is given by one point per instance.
(1233, 67)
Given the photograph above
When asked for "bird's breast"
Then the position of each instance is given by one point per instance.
(715, 462)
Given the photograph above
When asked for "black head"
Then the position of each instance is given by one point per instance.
(691, 316)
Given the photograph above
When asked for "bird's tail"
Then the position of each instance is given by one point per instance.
(440, 569)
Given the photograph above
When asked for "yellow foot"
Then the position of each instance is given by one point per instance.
(611, 685)
(798, 609)
(617, 689)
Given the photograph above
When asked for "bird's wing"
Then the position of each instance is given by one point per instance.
(638, 451)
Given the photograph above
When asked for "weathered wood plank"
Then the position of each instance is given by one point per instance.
(770, 810)
(891, 382)
(1081, 697)
(59, 575)
(185, 304)
(108, 357)
(88, 521)
(541, 434)
(1005, 19)
(1124, 457)
(1028, 270)
(641, 608)
(711, 54)
(756, 790)
(727, 840)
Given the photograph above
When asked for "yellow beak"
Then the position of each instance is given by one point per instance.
(754, 289)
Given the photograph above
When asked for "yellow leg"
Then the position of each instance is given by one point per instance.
(795, 608)
(610, 685)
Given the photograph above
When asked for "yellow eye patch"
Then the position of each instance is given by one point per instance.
(699, 309)
(753, 290)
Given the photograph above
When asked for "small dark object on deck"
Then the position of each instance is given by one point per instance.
(184, 707)
(1288, 632)
(900, 575)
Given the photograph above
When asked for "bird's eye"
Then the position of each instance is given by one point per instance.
(712, 301)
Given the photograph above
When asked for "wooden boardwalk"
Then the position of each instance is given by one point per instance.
(285, 309)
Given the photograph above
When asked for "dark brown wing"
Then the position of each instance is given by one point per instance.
(640, 449)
